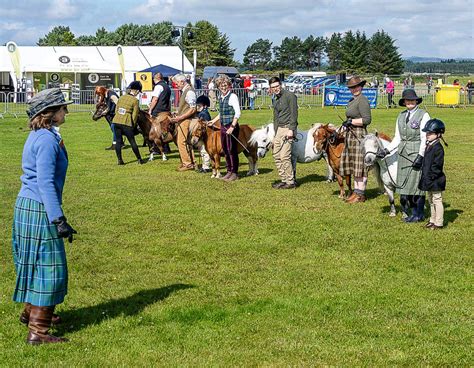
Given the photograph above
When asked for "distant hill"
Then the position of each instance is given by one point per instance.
(421, 59)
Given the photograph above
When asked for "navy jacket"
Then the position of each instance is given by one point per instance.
(432, 175)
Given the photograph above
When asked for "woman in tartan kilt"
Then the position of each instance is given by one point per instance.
(358, 117)
(39, 225)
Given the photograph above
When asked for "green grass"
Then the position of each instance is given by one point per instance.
(176, 269)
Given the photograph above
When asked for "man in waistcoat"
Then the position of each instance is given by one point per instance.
(160, 103)
(186, 111)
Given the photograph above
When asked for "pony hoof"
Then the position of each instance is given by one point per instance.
(392, 214)
(165, 158)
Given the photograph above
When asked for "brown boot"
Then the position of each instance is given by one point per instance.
(25, 316)
(39, 324)
(358, 198)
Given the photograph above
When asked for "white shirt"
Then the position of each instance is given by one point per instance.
(396, 140)
(157, 91)
(190, 96)
(234, 102)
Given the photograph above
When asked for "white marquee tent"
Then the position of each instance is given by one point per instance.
(91, 59)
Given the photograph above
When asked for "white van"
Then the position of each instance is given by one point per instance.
(308, 75)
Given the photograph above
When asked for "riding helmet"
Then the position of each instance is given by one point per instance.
(203, 100)
(435, 126)
(136, 85)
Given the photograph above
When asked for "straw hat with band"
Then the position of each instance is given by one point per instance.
(409, 94)
(45, 99)
(356, 81)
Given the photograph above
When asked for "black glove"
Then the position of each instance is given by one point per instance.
(381, 153)
(64, 229)
(417, 163)
(347, 123)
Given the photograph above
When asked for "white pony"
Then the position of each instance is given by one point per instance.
(302, 150)
(385, 169)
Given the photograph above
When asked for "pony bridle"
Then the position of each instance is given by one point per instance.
(266, 147)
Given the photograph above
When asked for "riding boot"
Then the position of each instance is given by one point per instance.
(405, 204)
(25, 316)
(418, 209)
(39, 324)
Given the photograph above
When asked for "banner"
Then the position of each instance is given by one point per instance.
(15, 58)
(121, 61)
(340, 96)
(146, 79)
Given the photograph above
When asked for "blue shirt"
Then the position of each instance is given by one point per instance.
(204, 115)
(44, 164)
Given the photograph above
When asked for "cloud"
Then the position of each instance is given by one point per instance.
(154, 10)
(61, 9)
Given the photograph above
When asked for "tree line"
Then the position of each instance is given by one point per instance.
(341, 52)
(348, 52)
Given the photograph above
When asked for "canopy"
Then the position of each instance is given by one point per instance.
(166, 70)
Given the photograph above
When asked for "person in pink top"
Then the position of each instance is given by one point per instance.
(390, 89)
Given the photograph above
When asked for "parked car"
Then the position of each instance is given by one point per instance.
(260, 83)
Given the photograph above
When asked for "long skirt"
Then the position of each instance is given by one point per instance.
(352, 160)
(39, 256)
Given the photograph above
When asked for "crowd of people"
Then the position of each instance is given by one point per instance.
(40, 225)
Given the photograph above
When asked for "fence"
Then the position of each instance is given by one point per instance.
(15, 103)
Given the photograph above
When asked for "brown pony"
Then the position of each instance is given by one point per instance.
(157, 130)
(210, 135)
(328, 139)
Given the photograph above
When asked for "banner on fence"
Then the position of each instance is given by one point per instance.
(340, 96)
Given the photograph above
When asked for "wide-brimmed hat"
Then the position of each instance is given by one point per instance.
(50, 97)
(409, 94)
(356, 81)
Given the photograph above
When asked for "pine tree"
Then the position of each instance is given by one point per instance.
(361, 53)
(383, 55)
(334, 51)
(258, 55)
(58, 36)
(348, 48)
(313, 50)
(289, 55)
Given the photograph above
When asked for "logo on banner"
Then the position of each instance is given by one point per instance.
(54, 77)
(332, 97)
(64, 59)
(93, 78)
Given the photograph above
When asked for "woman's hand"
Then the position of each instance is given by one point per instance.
(230, 130)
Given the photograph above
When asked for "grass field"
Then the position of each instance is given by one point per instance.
(176, 269)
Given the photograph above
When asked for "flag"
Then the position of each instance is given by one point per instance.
(121, 62)
(15, 58)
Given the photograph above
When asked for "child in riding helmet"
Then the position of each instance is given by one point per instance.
(202, 105)
(433, 180)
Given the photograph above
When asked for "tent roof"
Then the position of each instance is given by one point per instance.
(163, 69)
(88, 59)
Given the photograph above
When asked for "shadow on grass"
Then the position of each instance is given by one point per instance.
(451, 214)
(243, 173)
(310, 179)
(77, 319)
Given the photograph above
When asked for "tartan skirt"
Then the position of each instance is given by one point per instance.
(39, 256)
(352, 160)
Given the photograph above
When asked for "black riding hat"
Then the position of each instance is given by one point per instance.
(136, 85)
(409, 94)
(203, 100)
(435, 126)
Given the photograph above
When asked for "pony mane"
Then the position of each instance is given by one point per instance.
(194, 125)
(385, 137)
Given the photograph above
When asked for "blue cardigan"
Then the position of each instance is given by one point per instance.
(44, 165)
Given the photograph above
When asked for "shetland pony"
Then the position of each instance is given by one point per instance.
(210, 136)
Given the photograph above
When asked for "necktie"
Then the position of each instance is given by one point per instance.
(408, 118)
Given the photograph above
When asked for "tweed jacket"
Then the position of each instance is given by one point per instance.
(285, 111)
(126, 111)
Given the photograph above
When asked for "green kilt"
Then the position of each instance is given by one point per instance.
(408, 151)
(39, 256)
(352, 160)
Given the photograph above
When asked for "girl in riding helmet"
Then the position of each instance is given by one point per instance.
(433, 180)
(202, 105)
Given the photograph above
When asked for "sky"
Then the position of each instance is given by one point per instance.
(427, 28)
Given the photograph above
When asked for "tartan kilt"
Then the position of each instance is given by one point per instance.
(39, 256)
(352, 160)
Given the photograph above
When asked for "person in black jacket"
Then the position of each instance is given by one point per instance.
(433, 180)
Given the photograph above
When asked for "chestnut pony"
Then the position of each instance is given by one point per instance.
(328, 139)
(210, 136)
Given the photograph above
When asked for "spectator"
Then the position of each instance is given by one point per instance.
(390, 89)
(469, 90)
